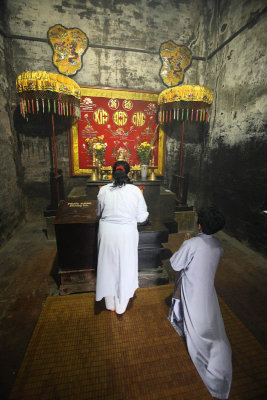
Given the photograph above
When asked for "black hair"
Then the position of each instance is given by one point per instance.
(210, 219)
(120, 175)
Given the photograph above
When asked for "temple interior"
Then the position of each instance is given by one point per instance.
(188, 79)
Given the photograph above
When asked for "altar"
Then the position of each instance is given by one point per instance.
(120, 125)
(161, 206)
(161, 202)
(76, 227)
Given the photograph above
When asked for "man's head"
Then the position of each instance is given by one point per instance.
(210, 219)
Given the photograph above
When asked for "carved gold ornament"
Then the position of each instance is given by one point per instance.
(175, 60)
(69, 45)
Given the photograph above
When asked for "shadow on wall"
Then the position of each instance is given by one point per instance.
(35, 147)
(235, 180)
(231, 177)
(194, 132)
(184, 164)
(39, 125)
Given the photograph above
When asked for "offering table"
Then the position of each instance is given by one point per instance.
(76, 227)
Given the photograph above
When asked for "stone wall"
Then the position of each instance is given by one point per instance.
(11, 198)
(236, 163)
(124, 37)
(124, 40)
(228, 167)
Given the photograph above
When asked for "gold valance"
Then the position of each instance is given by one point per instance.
(186, 93)
(48, 92)
(43, 80)
(185, 102)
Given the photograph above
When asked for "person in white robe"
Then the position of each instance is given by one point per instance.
(195, 312)
(121, 205)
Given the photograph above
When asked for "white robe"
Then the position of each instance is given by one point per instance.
(197, 316)
(119, 208)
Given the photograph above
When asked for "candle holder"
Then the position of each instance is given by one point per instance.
(152, 176)
(94, 176)
(98, 170)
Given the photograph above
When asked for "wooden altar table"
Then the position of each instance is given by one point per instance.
(76, 235)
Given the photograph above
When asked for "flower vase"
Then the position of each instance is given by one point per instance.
(144, 170)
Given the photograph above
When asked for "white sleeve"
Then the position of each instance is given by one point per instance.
(182, 258)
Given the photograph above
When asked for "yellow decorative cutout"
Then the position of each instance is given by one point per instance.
(69, 46)
(175, 60)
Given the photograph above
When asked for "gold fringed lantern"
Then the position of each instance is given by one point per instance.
(185, 103)
(46, 92)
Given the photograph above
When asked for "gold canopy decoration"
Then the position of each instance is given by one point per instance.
(68, 45)
(185, 102)
(42, 91)
(175, 60)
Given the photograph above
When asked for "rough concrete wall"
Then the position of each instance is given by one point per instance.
(128, 24)
(239, 74)
(11, 199)
(198, 74)
(234, 164)
(119, 25)
(227, 166)
(235, 143)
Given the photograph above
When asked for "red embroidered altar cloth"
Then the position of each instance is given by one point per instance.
(125, 118)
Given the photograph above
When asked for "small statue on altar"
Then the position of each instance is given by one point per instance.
(122, 154)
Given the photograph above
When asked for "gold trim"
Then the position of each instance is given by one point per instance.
(161, 152)
(75, 153)
(118, 94)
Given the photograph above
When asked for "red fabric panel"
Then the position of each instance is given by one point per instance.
(124, 123)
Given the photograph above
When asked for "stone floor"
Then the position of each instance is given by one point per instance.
(28, 275)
